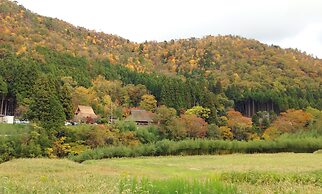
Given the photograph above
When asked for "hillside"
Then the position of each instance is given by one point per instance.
(228, 54)
(254, 75)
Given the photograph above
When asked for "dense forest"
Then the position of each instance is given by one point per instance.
(225, 87)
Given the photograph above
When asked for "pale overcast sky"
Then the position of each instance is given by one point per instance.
(288, 23)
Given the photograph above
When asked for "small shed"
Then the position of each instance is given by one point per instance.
(141, 117)
(85, 114)
(6, 119)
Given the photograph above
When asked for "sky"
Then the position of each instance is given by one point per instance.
(287, 23)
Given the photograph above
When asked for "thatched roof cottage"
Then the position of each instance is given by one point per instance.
(85, 114)
(140, 117)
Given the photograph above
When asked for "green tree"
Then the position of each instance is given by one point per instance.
(46, 107)
(214, 132)
(175, 130)
(164, 115)
(218, 88)
(3, 92)
(213, 116)
(65, 95)
(135, 93)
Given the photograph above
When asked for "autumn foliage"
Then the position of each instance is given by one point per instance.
(237, 120)
(290, 121)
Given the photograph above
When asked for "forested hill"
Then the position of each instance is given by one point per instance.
(250, 73)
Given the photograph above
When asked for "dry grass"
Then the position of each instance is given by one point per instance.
(64, 176)
(53, 176)
(208, 164)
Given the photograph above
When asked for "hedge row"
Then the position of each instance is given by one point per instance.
(203, 146)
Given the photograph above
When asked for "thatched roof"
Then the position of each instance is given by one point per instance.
(85, 110)
(82, 113)
(140, 116)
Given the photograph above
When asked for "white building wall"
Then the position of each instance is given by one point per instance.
(8, 119)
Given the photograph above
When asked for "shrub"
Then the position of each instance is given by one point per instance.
(147, 134)
(33, 142)
(203, 146)
(97, 136)
(214, 132)
(226, 132)
(124, 126)
(291, 121)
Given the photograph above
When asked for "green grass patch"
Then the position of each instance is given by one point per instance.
(174, 185)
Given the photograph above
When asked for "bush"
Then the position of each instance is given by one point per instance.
(102, 121)
(147, 134)
(124, 126)
(214, 132)
(203, 146)
(33, 142)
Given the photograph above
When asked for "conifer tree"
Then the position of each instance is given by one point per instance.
(46, 107)
(3, 92)
(66, 101)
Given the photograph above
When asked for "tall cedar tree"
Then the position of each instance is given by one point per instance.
(66, 101)
(3, 92)
(46, 107)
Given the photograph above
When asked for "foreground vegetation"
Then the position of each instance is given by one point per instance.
(244, 173)
(125, 139)
(201, 147)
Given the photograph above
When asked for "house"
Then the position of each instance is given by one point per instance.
(6, 119)
(85, 114)
(140, 117)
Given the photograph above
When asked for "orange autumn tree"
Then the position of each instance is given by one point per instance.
(290, 121)
(241, 126)
(196, 127)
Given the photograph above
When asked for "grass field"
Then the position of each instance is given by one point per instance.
(253, 173)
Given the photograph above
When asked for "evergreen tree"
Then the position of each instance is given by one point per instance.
(218, 88)
(3, 93)
(66, 101)
(46, 107)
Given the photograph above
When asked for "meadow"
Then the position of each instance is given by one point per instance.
(234, 173)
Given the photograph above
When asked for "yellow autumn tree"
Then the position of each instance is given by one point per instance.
(148, 102)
